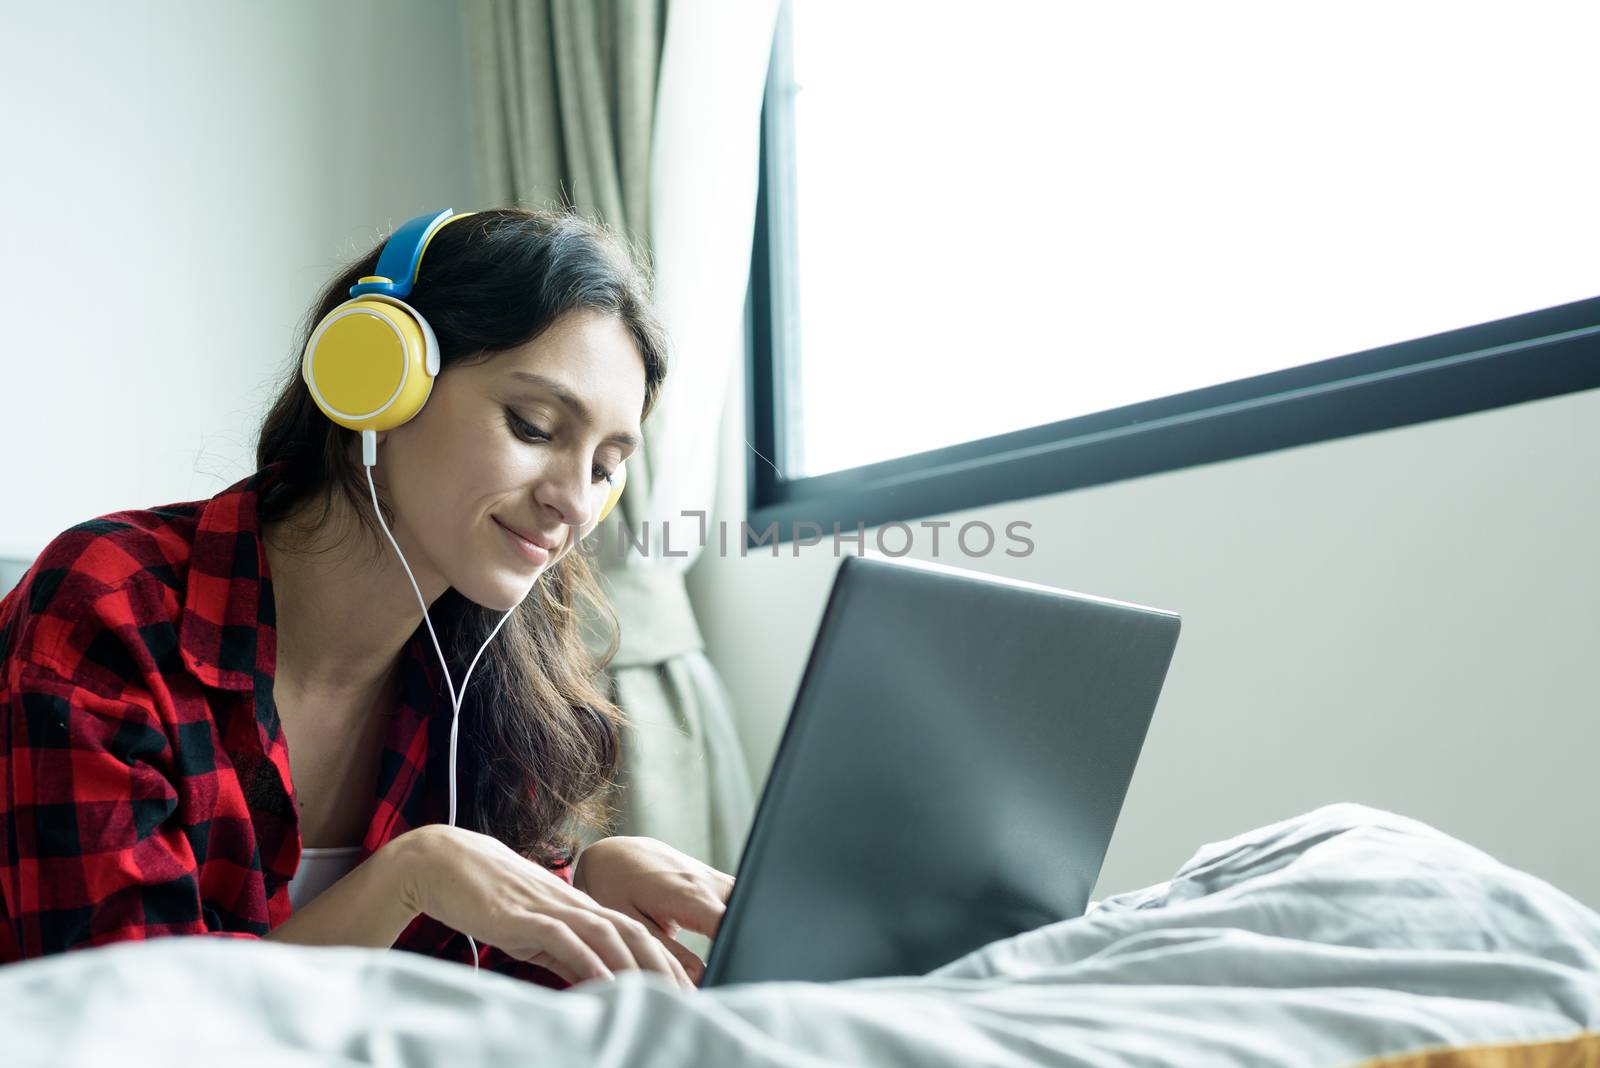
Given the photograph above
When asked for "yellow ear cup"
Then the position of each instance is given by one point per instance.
(615, 495)
(370, 363)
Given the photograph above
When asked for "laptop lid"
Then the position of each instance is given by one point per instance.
(952, 769)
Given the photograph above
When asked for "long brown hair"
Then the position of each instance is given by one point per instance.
(540, 739)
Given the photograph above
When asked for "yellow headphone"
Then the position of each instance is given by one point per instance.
(370, 363)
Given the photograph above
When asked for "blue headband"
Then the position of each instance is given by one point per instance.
(402, 255)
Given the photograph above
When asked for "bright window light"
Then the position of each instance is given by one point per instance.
(1021, 211)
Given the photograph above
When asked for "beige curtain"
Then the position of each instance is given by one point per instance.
(563, 98)
(567, 96)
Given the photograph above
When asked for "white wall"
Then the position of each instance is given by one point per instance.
(180, 179)
(1408, 619)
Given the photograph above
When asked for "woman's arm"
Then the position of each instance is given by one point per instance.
(370, 906)
(477, 885)
(90, 850)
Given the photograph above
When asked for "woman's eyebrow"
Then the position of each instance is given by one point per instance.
(573, 401)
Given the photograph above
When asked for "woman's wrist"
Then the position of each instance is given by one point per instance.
(370, 906)
(578, 880)
(576, 864)
(414, 858)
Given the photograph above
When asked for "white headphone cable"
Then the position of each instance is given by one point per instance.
(369, 455)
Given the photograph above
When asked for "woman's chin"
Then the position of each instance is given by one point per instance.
(504, 590)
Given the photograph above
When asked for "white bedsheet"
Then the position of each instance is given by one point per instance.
(1324, 940)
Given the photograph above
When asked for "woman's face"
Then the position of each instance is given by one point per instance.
(522, 440)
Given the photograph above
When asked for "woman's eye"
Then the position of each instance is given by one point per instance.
(526, 431)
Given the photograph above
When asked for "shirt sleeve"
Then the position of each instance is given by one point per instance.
(91, 849)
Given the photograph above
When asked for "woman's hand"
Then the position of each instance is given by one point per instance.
(481, 887)
(667, 891)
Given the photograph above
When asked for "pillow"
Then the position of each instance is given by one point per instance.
(11, 571)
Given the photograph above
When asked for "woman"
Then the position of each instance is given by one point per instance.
(210, 710)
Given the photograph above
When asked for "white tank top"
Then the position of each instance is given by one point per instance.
(318, 870)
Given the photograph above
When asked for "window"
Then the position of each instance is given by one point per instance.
(1015, 249)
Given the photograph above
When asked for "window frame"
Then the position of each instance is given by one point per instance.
(1543, 353)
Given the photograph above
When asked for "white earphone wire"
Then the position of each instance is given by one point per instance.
(369, 454)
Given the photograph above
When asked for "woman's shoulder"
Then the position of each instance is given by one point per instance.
(118, 589)
(106, 553)
(124, 567)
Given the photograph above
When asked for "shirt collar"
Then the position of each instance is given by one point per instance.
(226, 637)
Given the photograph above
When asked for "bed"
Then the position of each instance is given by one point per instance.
(1345, 936)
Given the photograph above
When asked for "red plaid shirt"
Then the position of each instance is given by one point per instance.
(144, 781)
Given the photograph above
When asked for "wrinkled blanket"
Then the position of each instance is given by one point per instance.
(1337, 936)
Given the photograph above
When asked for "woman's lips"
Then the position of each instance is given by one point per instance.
(530, 550)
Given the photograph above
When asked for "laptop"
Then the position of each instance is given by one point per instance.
(950, 774)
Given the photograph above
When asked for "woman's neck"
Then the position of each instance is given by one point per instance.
(344, 605)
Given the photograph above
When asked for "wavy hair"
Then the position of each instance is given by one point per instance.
(540, 737)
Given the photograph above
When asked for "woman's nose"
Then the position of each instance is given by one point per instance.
(565, 488)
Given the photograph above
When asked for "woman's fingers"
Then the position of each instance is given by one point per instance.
(680, 970)
(645, 942)
(598, 942)
(701, 912)
(603, 936)
(551, 964)
(569, 955)
(647, 948)
(692, 965)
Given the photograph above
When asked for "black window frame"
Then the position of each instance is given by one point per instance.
(1543, 353)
